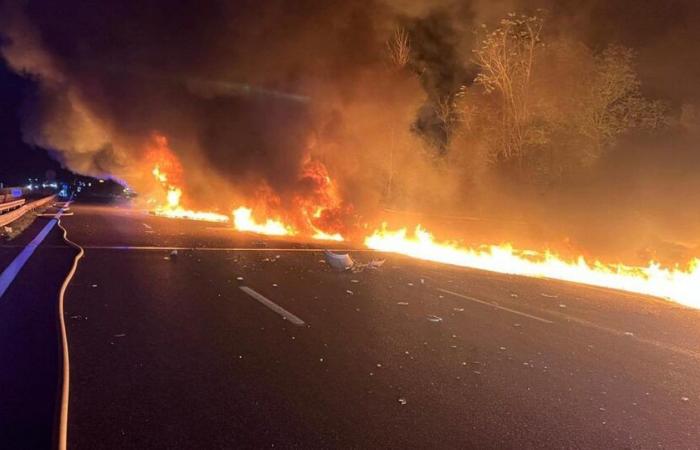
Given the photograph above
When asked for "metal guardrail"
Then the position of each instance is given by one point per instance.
(11, 205)
(21, 209)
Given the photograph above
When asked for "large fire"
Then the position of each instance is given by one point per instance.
(317, 211)
(165, 168)
(682, 286)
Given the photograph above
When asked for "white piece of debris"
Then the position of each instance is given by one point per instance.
(434, 318)
(402, 401)
(349, 292)
(338, 261)
(629, 333)
(173, 253)
(94, 285)
(120, 335)
(239, 278)
(685, 399)
(549, 295)
(458, 309)
(561, 305)
(402, 303)
(343, 262)
(354, 281)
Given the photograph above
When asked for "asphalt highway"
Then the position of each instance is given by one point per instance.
(241, 341)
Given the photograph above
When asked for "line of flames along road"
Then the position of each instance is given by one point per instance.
(677, 284)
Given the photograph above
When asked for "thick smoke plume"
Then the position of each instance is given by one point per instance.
(250, 93)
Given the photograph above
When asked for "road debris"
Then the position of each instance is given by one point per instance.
(349, 292)
(434, 318)
(94, 285)
(549, 295)
(120, 335)
(402, 401)
(458, 309)
(343, 262)
(239, 278)
(339, 261)
(402, 303)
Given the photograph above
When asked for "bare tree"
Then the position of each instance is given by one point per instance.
(399, 47)
(506, 57)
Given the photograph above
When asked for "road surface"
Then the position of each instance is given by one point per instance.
(240, 341)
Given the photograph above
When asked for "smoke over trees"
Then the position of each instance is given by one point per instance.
(544, 105)
(410, 105)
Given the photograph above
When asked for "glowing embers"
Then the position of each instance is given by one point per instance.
(243, 221)
(681, 285)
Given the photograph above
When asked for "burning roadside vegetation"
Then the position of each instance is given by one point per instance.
(557, 142)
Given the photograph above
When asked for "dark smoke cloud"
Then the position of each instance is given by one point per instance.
(246, 91)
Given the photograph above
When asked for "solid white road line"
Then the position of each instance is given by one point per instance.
(503, 308)
(65, 390)
(224, 249)
(10, 273)
(273, 306)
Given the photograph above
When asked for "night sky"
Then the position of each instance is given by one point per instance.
(18, 161)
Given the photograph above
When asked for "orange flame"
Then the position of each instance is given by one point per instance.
(682, 286)
(243, 221)
(159, 150)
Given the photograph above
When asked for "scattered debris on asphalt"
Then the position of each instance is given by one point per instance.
(239, 278)
(458, 309)
(549, 295)
(94, 285)
(349, 292)
(434, 318)
(402, 401)
(402, 303)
